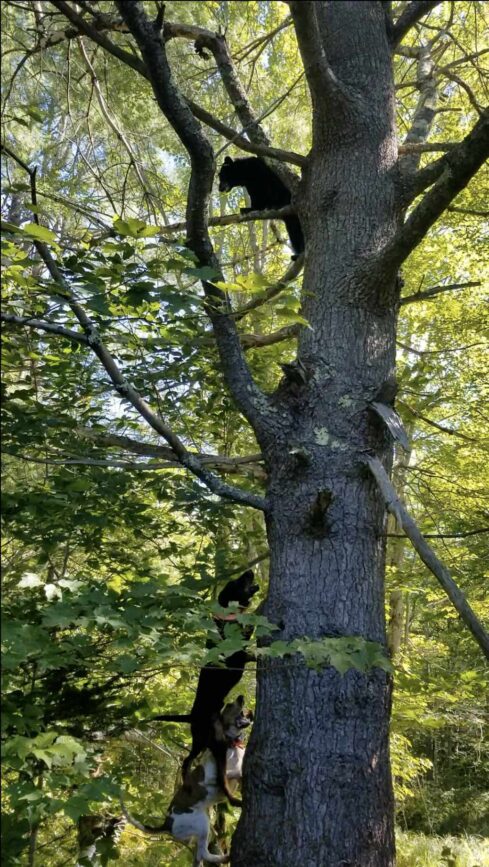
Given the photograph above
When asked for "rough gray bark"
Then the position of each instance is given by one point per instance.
(317, 788)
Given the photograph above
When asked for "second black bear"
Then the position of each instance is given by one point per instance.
(216, 681)
(265, 190)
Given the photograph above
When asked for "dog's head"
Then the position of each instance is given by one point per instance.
(235, 717)
(241, 590)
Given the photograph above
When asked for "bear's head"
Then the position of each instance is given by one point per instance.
(228, 176)
(241, 590)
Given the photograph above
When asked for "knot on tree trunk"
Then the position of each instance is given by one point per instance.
(317, 522)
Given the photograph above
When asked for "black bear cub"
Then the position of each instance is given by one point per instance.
(265, 190)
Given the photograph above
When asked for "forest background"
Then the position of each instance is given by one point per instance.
(113, 554)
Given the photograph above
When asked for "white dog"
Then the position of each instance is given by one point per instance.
(188, 814)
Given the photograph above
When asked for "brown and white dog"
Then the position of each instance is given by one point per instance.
(188, 814)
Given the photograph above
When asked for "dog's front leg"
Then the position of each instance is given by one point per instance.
(202, 833)
(234, 774)
(203, 854)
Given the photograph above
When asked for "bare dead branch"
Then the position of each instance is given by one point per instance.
(272, 291)
(437, 290)
(115, 126)
(466, 535)
(445, 351)
(427, 555)
(224, 466)
(427, 147)
(470, 212)
(243, 52)
(443, 428)
(468, 90)
(255, 341)
(425, 110)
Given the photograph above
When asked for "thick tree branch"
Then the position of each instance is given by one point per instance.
(451, 174)
(426, 147)
(428, 556)
(223, 463)
(255, 341)
(248, 396)
(240, 141)
(320, 77)
(44, 325)
(90, 29)
(235, 219)
(224, 466)
(414, 12)
(216, 43)
(123, 388)
(226, 220)
(96, 35)
(425, 110)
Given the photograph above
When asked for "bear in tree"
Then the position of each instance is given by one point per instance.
(265, 190)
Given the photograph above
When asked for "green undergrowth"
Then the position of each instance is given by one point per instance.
(421, 850)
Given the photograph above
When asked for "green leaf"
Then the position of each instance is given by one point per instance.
(40, 233)
(134, 228)
(34, 112)
(99, 304)
(44, 756)
(9, 227)
(203, 273)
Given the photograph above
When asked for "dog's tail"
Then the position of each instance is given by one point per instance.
(172, 717)
(165, 828)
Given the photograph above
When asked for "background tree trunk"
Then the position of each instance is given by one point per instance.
(317, 779)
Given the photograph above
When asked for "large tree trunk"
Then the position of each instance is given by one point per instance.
(317, 786)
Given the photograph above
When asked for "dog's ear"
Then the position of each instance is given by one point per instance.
(228, 160)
